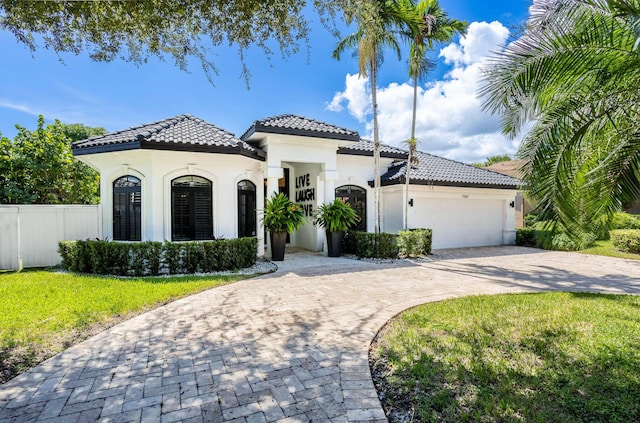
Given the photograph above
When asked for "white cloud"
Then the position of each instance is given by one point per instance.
(18, 107)
(356, 96)
(449, 120)
(86, 113)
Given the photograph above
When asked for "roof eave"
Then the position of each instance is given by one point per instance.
(401, 181)
(105, 148)
(370, 154)
(258, 127)
(151, 145)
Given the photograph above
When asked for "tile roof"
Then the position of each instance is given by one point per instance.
(509, 167)
(434, 170)
(182, 132)
(365, 148)
(299, 125)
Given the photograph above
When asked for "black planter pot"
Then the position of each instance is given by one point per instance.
(278, 242)
(334, 243)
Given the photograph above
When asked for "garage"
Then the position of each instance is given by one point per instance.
(465, 206)
(462, 222)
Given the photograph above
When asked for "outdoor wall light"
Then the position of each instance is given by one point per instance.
(512, 204)
(411, 202)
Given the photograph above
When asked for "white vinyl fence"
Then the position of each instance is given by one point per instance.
(29, 234)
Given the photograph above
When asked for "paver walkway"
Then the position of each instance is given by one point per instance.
(290, 346)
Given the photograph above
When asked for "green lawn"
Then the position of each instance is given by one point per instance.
(45, 312)
(553, 357)
(605, 248)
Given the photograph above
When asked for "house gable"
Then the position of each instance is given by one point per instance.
(180, 133)
(435, 170)
(299, 126)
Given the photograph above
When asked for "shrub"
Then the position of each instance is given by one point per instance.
(349, 242)
(280, 214)
(627, 240)
(562, 242)
(546, 235)
(526, 237)
(68, 250)
(625, 221)
(336, 216)
(530, 220)
(415, 242)
(153, 258)
(371, 245)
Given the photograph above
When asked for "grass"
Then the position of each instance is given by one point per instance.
(553, 357)
(45, 312)
(605, 248)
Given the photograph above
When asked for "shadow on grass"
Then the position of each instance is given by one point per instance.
(474, 375)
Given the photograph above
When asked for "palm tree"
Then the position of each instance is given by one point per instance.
(575, 74)
(379, 22)
(412, 160)
(435, 27)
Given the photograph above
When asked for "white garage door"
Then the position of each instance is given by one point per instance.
(462, 222)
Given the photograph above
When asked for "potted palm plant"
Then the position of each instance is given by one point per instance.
(336, 218)
(281, 216)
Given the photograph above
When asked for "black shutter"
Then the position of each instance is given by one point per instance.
(191, 209)
(181, 216)
(127, 209)
(202, 214)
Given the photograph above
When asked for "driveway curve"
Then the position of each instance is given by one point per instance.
(290, 346)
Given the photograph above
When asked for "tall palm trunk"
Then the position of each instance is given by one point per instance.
(415, 107)
(376, 145)
(412, 147)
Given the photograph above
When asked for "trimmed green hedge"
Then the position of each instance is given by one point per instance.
(371, 245)
(154, 258)
(627, 240)
(526, 237)
(415, 242)
(625, 221)
(550, 240)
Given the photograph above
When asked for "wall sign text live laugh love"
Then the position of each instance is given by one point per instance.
(305, 193)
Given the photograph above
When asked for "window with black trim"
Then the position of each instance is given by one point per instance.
(127, 209)
(246, 209)
(191, 209)
(357, 199)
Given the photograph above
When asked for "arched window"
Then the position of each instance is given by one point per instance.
(191, 209)
(127, 205)
(246, 209)
(357, 199)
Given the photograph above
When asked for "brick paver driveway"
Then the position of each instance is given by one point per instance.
(290, 346)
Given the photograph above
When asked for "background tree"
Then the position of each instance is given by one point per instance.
(498, 158)
(574, 73)
(37, 167)
(434, 27)
(137, 30)
(379, 24)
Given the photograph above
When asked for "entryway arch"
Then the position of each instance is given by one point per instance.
(357, 199)
(191, 209)
(246, 209)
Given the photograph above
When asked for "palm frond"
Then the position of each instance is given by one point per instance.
(574, 73)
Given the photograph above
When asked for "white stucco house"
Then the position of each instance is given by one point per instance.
(185, 179)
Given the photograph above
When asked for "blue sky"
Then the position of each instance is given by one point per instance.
(118, 95)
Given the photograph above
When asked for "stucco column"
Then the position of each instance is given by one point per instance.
(273, 174)
(260, 191)
(329, 178)
(106, 204)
